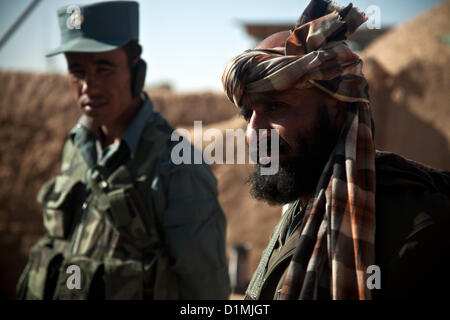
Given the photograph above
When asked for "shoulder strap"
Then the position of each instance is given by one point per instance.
(73, 163)
(143, 167)
(130, 184)
(257, 281)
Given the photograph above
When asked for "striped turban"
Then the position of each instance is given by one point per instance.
(338, 229)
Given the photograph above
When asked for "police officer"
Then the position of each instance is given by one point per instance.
(122, 220)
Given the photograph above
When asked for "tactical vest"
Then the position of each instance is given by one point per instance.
(104, 224)
(273, 262)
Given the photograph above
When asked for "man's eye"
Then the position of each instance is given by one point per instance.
(104, 70)
(270, 108)
(77, 73)
(275, 107)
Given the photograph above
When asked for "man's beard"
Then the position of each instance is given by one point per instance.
(299, 174)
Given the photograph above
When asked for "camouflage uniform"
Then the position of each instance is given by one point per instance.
(135, 224)
(128, 221)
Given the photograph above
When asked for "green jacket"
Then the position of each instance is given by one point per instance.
(136, 224)
(412, 240)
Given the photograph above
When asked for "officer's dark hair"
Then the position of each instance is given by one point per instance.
(133, 50)
(137, 69)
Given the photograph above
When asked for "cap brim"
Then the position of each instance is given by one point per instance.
(85, 45)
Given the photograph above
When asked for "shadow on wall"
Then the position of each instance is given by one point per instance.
(397, 127)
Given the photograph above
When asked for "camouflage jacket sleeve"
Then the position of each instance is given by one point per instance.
(193, 227)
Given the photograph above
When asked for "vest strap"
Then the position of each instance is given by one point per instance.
(119, 208)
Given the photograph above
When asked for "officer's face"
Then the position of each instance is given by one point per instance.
(101, 82)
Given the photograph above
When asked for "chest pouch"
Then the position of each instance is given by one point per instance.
(60, 198)
(119, 198)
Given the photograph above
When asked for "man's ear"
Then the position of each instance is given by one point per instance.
(136, 60)
(138, 76)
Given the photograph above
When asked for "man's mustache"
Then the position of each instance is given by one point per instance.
(264, 147)
(85, 100)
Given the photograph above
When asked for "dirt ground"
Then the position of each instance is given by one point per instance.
(408, 70)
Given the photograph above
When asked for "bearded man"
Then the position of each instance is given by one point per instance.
(361, 224)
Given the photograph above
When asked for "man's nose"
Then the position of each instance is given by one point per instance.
(89, 84)
(257, 123)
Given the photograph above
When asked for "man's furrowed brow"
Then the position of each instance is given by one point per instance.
(260, 101)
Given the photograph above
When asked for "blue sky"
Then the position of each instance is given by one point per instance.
(186, 43)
